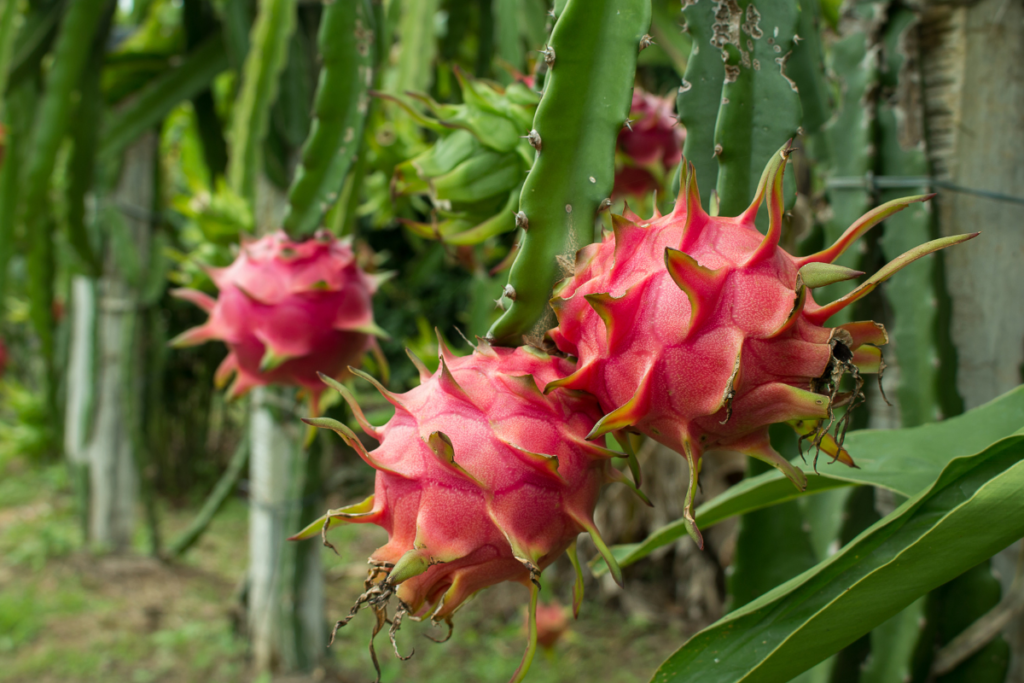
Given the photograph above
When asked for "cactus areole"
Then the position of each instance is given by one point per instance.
(287, 310)
(481, 479)
(700, 331)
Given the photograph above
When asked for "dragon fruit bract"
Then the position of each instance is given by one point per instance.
(287, 310)
(481, 479)
(699, 331)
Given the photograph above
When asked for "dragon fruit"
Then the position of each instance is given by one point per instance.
(552, 623)
(649, 148)
(287, 310)
(481, 478)
(700, 332)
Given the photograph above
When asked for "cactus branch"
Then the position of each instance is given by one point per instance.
(586, 99)
(267, 55)
(347, 48)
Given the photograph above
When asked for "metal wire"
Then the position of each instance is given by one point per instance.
(870, 182)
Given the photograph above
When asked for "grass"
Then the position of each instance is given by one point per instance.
(69, 616)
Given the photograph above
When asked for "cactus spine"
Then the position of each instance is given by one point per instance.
(591, 59)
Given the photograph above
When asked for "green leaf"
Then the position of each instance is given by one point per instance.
(892, 646)
(773, 544)
(905, 461)
(163, 94)
(971, 512)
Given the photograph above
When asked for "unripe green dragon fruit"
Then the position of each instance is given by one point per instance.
(700, 331)
(473, 172)
(481, 479)
(287, 310)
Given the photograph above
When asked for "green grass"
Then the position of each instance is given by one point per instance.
(69, 616)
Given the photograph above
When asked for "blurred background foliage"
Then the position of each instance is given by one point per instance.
(430, 196)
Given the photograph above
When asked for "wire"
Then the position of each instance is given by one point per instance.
(870, 182)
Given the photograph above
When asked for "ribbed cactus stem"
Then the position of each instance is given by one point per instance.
(851, 134)
(591, 60)
(760, 106)
(268, 53)
(700, 95)
(347, 50)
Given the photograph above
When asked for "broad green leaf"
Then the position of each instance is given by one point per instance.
(971, 512)
(773, 544)
(892, 646)
(905, 461)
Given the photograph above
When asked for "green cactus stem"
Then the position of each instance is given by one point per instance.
(912, 296)
(70, 55)
(591, 57)
(760, 106)
(700, 96)
(267, 54)
(347, 49)
(850, 137)
(807, 68)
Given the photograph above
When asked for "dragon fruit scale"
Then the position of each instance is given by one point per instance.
(287, 310)
(481, 479)
(700, 331)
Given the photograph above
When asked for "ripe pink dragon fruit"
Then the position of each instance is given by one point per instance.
(287, 310)
(481, 478)
(649, 148)
(552, 623)
(700, 332)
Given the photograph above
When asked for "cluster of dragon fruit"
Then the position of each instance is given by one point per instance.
(696, 331)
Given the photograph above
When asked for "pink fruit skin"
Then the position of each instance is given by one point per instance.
(689, 329)
(653, 138)
(294, 308)
(503, 506)
(552, 623)
(686, 373)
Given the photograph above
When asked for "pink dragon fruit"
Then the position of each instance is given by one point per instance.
(287, 310)
(481, 478)
(649, 148)
(699, 331)
(552, 623)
